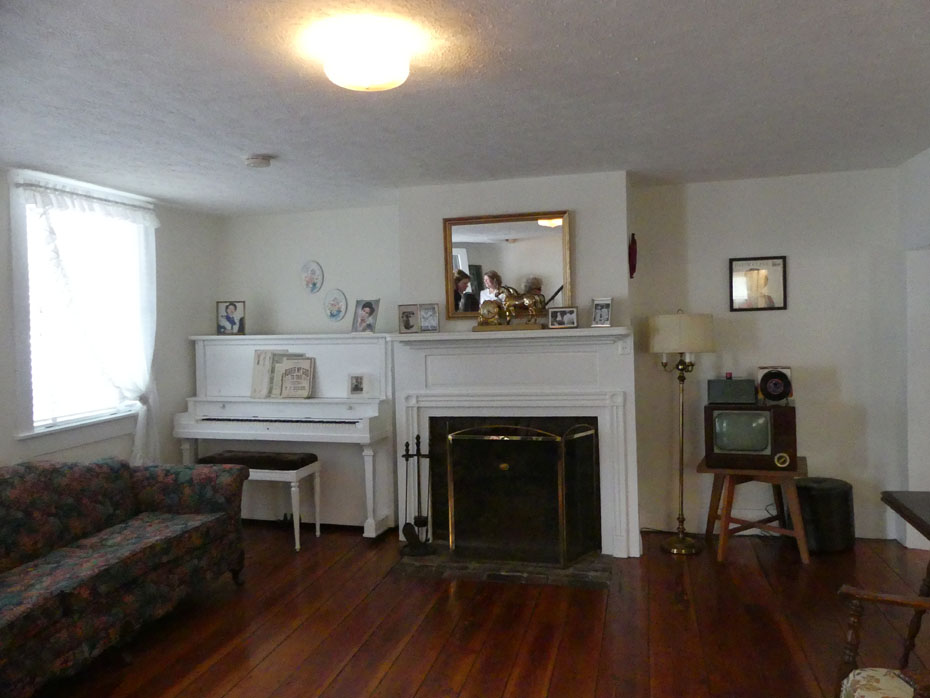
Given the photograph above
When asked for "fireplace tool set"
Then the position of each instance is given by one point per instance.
(416, 533)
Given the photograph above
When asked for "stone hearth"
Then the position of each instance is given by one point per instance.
(592, 571)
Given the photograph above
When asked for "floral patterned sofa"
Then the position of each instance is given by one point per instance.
(89, 552)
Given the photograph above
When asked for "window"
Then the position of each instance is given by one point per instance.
(89, 300)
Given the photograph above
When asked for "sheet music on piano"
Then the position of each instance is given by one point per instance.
(223, 409)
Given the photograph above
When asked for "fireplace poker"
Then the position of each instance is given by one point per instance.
(417, 545)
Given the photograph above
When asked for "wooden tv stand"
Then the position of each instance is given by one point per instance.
(725, 482)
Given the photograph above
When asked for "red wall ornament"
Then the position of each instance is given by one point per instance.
(631, 255)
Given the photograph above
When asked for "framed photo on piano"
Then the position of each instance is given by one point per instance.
(230, 317)
(359, 385)
(366, 315)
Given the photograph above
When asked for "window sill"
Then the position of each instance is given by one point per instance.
(79, 433)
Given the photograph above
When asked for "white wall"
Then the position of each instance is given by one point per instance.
(187, 278)
(843, 333)
(915, 236)
(261, 257)
(8, 449)
(914, 183)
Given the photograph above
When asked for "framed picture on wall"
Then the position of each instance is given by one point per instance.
(230, 317)
(758, 283)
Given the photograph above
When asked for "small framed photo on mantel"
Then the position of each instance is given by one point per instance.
(408, 318)
(429, 317)
(563, 318)
(600, 313)
(758, 283)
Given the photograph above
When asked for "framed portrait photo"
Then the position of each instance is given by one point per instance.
(408, 318)
(230, 317)
(563, 318)
(600, 313)
(358, 385)
(429, 317)
(758, 283)
(366, 315)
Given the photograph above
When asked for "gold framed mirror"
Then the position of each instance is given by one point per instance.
(521, 248)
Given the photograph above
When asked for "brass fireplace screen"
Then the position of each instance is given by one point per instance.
(523, 493)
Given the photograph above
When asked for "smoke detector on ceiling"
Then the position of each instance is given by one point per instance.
(259, 160)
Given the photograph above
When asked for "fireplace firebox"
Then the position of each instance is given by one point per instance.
(522, 489)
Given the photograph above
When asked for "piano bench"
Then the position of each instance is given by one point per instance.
(279, 467)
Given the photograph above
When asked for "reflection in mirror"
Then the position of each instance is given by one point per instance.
(528, 251)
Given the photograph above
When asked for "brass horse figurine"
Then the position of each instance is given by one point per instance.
(515, 304)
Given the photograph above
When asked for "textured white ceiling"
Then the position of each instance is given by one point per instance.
(166, 98)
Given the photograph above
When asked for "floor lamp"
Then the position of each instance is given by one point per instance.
(684, 335)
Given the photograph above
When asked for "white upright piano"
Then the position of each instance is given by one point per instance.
(222, 409)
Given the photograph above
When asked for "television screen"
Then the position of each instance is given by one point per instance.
(742, 432)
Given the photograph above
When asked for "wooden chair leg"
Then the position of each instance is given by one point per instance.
(794, 507)
(725, 513)
(914, 626)
(851, 646)
(713, 513)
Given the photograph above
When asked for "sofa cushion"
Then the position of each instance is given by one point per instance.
(104, 562)
(44, 506)
(190, 489)
(97, 566)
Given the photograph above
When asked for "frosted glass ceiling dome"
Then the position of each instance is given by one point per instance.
(367, 53)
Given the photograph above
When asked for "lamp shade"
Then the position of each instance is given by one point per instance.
(681, 333)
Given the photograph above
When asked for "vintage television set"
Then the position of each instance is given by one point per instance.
(750, 437)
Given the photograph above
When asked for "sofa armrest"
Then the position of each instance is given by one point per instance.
(189, 489)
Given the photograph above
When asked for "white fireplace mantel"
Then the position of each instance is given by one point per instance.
(576, 372)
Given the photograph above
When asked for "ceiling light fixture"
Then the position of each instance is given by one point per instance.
(367, 53)
(550, 222)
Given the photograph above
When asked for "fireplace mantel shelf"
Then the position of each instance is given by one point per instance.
(592, 335)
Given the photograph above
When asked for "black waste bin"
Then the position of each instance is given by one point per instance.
(827, 510)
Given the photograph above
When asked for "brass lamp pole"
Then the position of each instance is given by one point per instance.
(683, 335)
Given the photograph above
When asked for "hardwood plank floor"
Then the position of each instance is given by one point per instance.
(340, 620)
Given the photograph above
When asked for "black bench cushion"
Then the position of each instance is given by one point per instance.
(262, 460)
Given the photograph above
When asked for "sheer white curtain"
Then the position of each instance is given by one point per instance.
(91, 248)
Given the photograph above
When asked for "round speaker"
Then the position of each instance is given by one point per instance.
(775, 385)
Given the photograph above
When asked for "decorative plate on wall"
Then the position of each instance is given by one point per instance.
(334, 305)
(313, 275)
